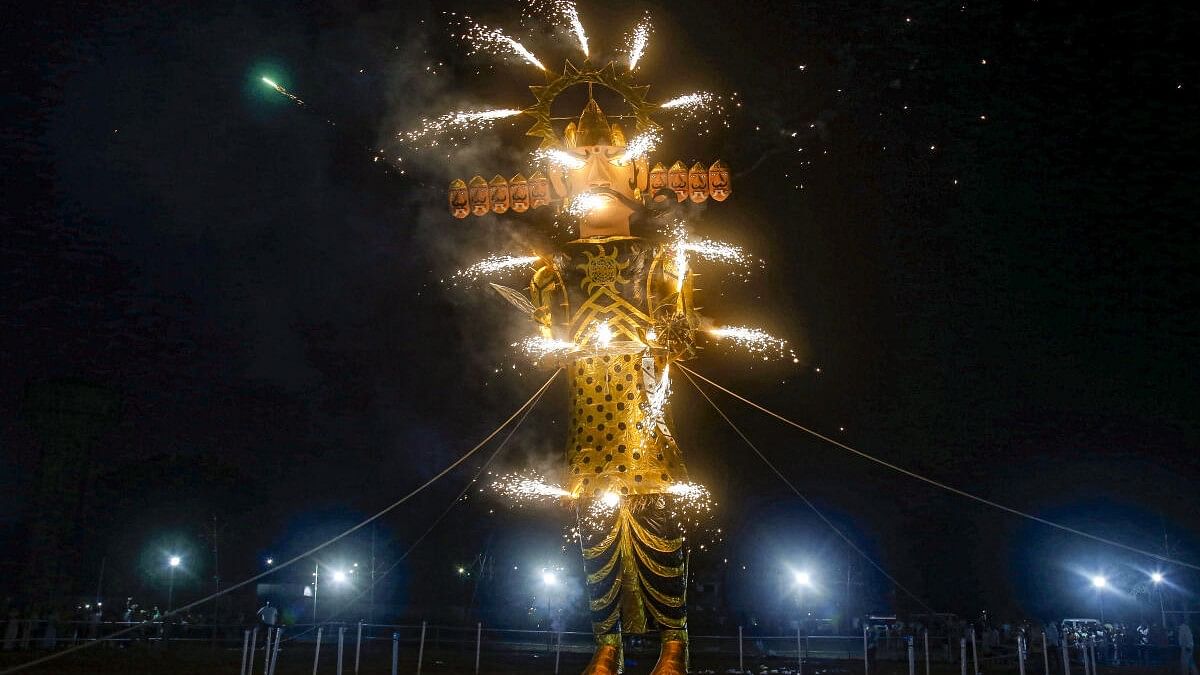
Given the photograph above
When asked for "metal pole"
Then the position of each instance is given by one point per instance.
(1021, 653)
(1092, 648)
(1083, 649)
(171, 590)
(395, 652)
(275, 653)
(358, 647)
(478, 644)
(1045, 654)
(341, 647)
(421, 649)
(926, 651)
(266, 653)
(799, 654)
(557, 653)
(317, 650)
(245, 651)
(974, 652)
(253, 648)
(316, 587)
(912, 657)
(866, 661)
(741, 666)
(1066, 658)
(962, 655)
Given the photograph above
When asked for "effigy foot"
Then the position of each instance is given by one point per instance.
(672, 658)
(605, 661)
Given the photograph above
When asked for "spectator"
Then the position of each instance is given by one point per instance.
(268, 615)
(1051, 634)
(1187, 658)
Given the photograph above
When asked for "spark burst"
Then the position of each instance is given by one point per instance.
(567, 11)
(559, 159)
(493, 41)
(495, 263)
(272, 84)
(755, 341)
(585, 203)
(657, 401)
(457, 121)
(689, 102)
(717, 251)
(527, 488)
(541, 347)
(640, 146)
(635, 42)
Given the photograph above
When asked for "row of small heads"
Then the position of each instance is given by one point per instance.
(480, 196)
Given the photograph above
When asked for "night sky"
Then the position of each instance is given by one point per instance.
(977, 222)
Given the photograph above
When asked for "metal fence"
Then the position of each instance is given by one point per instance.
(424, 648)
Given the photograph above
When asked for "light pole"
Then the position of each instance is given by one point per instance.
(803, 580)
(1158, 578)
(316, 585)
(1099, 583)
(172, 563)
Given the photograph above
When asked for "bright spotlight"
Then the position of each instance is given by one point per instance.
(803, 578)
(1157, 577)
(1099, 581)
(549, 578)
(270, 561)
(611, 499)
(174, 561)
(339, 577)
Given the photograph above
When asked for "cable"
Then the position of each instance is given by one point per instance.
(213, 596)
(432, 525)
(961, 493)
(803, 498)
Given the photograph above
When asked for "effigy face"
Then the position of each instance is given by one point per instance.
(603, 169)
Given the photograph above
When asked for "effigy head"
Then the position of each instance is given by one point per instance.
(603, 173)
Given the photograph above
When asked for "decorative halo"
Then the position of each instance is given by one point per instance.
(607, 76)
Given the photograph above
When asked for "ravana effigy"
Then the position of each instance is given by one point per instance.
(614, 308)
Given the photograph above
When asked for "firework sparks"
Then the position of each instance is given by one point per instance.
(717, 251)
(559, 159)
(640, 146)
(457, 121)
(272, 84)
(754, 340)
(657, 401)
(585, 203)
(493, 41)
(700, 99)
(527, 488)
(635, 42)
(561, 10)
(494, 264)
(541, 347)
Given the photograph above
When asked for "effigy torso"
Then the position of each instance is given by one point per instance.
(605, 295)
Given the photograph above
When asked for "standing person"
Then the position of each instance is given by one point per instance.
(1187, 648)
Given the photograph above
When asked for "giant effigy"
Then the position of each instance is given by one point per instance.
(613, 306)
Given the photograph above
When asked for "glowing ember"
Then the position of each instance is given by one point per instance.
(604, 334)
(457, 121)
(635, 42)
(526, 488)
(585, 203)
(494, 41)
(754, 340)
(559, 159)
(494, 264)
(640, 146)
(541, 347)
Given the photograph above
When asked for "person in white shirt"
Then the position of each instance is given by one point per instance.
(268, 614)
(1187, 647)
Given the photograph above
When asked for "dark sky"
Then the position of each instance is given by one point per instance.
(978, 222)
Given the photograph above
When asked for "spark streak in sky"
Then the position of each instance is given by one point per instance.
(456, 121)
(272, 84)
(717, 251)
(496, 263)
(563, 10)
(754, 340)
(635, 42)
(493, 41)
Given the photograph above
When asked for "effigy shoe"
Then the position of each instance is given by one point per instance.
(604, 662)
(672, 658)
